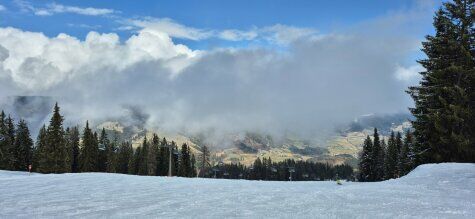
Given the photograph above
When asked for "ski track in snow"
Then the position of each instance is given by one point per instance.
(430, 191)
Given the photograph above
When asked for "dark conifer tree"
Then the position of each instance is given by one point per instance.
(405, 157)
(399, 144)
(3, 142)
(445, 98)
(89, 151)
(185, 162)
(376, 168)
(23, 147)
(390, 161)
(380, 171)
(11, 133)
(163, 158)
(366, 161)
(204, 160)
(124, 156)
(111, 153)
(7, 139)
(134, 168)
(152, 156)
(193, 166)
(74, 142)
(69, 148)
(103, 146)
(38, 155)
(175, 158)
(143, 162)
(54, 156)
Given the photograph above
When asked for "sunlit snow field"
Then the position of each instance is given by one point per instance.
(430, 191)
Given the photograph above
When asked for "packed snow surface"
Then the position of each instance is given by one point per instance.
(430, 191)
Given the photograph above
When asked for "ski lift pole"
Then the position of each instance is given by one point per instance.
(169, 158)
(170, 161)
(291, 170)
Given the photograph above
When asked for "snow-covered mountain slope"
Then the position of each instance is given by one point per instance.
(430, 191)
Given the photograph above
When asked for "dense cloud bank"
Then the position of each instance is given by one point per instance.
(307, 87)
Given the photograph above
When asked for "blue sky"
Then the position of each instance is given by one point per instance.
(323, 16)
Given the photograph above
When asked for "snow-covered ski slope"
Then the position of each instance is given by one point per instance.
(430, 191)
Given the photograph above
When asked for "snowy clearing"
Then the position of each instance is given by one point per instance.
(430, 191)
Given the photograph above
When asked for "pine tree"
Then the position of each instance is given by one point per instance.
(3, 142)
(163, 158)
(74, 144)
(69, 148)
(111, 153)
(175, 158)
(104, 145)
(185, 162)
(399, 144)
(143, 162)
(366, 161)
(376, 168)
(7, 140)
(40, 150)
(10, 142)
(152, 156)
(405, 160)
(123, 158)
(445, 99)
(380, 171)
(136, 161)
(54, 155)
(23, 147)
(204, 160)
(90, 151)
(391, 158)
(193, 166)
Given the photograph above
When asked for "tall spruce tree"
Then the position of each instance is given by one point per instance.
(134, 166)
(39, 157)
(163, 158)
(152, 156)
(103, 146)
(391, 158)
(399, 144)
(143, 161)
(10, 143)
(111, 153)
(185, 162)
(376, 167)
(3, 141)
(69, 148)
(405, 160)
(54, 155)
(193, 166)
(7, 140)
(23, 147)
(366, 161)
(445, 98)
(124, 155)
(74, 141)
(90, 151)
(175, 158)
(380, 171)
(204, 160)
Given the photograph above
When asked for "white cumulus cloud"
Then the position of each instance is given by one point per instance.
(408, 74)
(54, 8)
(39, 62)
